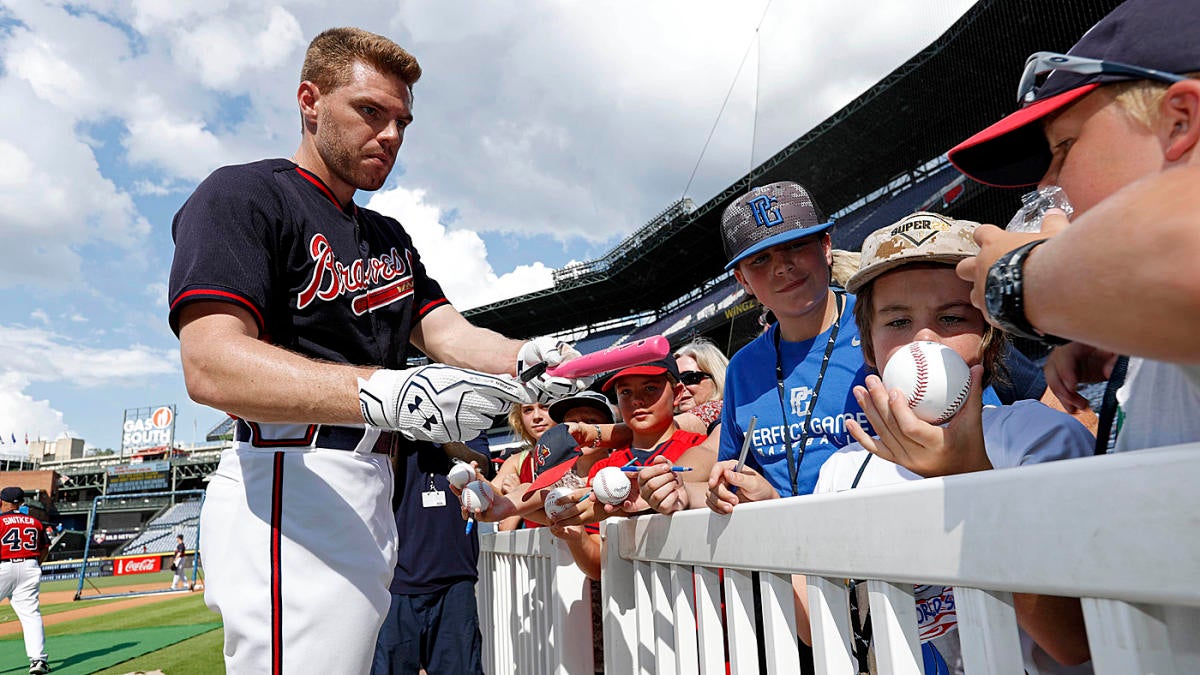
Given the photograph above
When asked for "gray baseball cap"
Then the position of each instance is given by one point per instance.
(918, 237)
(766, 216)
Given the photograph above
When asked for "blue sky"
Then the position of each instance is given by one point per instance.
(545, 131)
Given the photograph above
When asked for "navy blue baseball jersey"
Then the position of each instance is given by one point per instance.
(341, 285)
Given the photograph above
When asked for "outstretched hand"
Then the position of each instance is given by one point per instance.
(923, 448)
(995, 242)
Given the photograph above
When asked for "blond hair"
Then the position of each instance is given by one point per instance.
(845, 264)
(710, 358)
(331, 56)
(517, 423)
(1140, 99)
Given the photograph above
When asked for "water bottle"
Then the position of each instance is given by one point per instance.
(1034, 206)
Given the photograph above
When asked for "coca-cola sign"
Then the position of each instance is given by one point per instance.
(137, 565)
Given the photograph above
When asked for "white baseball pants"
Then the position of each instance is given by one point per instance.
(299, 548)
(20, 580)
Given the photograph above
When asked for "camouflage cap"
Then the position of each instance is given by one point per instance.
(918, 237)
(766, 216)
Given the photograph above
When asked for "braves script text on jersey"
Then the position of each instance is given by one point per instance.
(297, 530)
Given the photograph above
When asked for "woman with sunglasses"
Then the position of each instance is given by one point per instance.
(702, 371)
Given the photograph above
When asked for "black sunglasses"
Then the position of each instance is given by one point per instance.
(693, 377)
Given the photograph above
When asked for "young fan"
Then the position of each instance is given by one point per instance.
(907, 290)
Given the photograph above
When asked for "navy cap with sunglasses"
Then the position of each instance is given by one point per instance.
(1139, 40)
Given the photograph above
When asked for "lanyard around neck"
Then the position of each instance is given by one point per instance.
(794, 460)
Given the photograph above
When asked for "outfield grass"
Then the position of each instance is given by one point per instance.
(182, 611)
(108, 582)
(200, 655)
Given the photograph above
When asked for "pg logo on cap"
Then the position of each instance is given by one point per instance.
(765, 210)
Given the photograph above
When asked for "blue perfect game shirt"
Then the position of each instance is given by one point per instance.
(750, 389)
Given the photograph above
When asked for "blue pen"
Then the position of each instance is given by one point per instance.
(635, 469)
(470, 524)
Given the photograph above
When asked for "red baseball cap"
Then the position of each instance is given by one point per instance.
(662, 366)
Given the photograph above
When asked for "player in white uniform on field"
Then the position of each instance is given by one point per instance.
(295, 311)
(22, 547)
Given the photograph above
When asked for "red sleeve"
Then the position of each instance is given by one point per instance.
(617, 458)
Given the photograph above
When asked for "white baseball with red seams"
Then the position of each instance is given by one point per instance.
(460, 474)
(557, 501)
(611, 485)
(933, 377)
(478, 496)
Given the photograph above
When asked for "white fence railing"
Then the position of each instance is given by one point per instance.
(1122, 532)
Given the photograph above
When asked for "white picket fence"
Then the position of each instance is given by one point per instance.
(1122, 532)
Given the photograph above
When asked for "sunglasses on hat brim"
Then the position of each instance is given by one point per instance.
(1043, 63)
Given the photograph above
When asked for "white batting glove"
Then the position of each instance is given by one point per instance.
(545, 388)
(437, 403)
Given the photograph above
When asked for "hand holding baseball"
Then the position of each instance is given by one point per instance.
(480, 501)
(662, 488)
(919, 446)
(551, 351)
(437, 403)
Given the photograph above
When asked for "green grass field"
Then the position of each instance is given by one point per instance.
(97, 640)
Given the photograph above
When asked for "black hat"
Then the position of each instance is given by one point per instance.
(1152, 34)
(12, 495)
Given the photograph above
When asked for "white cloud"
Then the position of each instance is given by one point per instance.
(37, 355)
(456, 258)
(21, 414)
(221, 49)
(157, 292)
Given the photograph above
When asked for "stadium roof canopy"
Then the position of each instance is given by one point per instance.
(893, 134)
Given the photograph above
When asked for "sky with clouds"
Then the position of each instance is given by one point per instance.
(545, 131)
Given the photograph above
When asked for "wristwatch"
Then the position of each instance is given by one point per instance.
(1004, 296)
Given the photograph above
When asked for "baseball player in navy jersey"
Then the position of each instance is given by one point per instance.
(22, 547)
(294, 309)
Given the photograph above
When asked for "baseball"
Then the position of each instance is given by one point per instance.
(557, 501)
(611, 485)
(460, 474)
(933, 376)
(477, 496)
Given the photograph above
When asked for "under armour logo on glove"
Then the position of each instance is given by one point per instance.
(437, 403)
(551, 351)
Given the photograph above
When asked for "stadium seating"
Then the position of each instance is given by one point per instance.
(158, 536)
